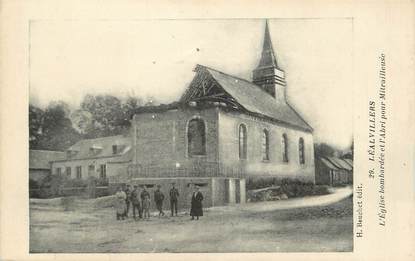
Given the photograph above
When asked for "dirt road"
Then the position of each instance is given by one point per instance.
(259, 227)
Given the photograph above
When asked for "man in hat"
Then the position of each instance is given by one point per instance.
(158, 198)
(174, 195)
(128, 199)
(135, 201)
(144, 194)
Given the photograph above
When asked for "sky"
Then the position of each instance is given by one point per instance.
(156, 58)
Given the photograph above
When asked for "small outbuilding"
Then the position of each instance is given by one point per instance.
(333, 171)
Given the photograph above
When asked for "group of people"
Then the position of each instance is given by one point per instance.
(140, 202)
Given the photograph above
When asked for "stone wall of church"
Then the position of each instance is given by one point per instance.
(161, 146)
(161, 140)
(254, 165)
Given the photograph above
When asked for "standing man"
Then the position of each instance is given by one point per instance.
(143, 195)
(128, 199)
(174, 195)
(135, 201)
(158, 198)
(196, 204)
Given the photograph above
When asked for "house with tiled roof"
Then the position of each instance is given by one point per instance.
(99, 158)
(221, 131)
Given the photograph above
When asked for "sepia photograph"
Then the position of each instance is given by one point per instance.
(191, 135)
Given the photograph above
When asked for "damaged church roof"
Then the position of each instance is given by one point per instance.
(251, 97)
(247, 94)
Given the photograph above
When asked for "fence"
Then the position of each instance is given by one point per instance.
(200, 169)
(203, 169)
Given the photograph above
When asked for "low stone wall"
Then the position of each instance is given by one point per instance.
(71, 191)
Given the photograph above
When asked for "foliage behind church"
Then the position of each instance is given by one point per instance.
(58, 126)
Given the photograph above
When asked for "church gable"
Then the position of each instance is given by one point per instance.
(204, 88)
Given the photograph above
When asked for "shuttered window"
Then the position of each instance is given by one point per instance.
(103, 171)
(79, 172)
(68, 172)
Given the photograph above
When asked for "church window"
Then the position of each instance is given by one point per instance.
(284, 148)
(301, 150)
(242, 142)
(196, 137)
(265, 145)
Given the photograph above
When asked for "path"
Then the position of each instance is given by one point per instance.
(336, 195)
(302, 225)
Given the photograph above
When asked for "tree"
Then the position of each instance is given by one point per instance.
(35, 126)
(129, 107)
(324, 150)
(81, 120)
(106, 115)
(57, 131)
(348, 154)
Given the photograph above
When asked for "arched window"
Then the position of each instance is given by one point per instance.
(301, 150)
(265, 145)
(196, 137)
(242, 142)
(284, 147)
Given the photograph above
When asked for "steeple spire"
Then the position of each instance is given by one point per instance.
(268, 75)
(268, 57)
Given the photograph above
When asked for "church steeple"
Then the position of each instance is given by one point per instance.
(268, 57)
(267, 75)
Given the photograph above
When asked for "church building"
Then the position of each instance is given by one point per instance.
(221, 131)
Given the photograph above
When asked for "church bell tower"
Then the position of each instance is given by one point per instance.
(267, 75)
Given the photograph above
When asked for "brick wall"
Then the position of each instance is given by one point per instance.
(254, 165)
(161, 139)
(214, 190)
(161, 142)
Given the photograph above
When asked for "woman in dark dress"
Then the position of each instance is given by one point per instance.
(196, 209)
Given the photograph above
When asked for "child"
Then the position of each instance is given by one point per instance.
(146, 206)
